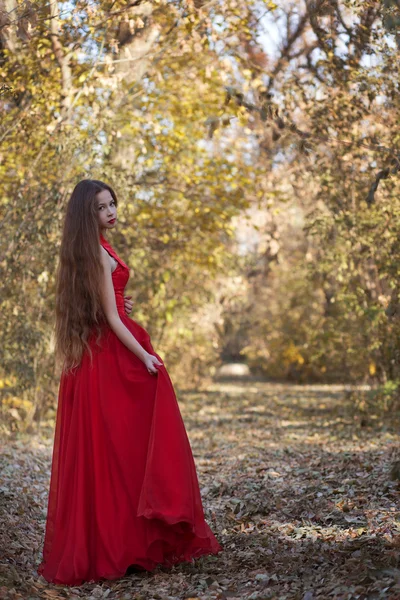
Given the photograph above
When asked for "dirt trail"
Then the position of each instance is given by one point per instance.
(296, 489)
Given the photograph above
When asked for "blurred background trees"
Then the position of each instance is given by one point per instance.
(253, 149)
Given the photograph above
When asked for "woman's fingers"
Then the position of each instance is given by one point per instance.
(128, 303)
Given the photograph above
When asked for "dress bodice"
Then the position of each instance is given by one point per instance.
(120, 275)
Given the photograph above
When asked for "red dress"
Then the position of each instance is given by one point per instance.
(123, 487)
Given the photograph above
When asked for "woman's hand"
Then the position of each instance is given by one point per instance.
(128, 304)
(152, 363)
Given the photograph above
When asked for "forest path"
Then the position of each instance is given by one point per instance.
(295, 487)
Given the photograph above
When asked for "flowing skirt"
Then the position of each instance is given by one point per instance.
(123, 488)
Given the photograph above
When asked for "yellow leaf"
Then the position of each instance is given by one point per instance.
(372, 369)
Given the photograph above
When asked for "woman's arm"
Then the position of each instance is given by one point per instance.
(110, 308)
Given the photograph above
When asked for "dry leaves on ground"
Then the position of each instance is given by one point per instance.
(296, 489)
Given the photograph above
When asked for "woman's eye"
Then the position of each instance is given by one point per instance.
(101, 207)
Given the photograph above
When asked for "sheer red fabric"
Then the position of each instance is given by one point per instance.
(123, 487)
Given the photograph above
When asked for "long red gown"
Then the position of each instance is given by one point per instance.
(123, 487)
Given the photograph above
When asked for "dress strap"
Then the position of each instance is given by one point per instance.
(106, 244)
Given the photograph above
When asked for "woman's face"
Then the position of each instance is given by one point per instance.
(106, 210)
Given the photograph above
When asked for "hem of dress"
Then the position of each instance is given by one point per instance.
(147, 564)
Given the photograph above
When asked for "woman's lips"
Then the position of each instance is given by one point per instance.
(112, 221)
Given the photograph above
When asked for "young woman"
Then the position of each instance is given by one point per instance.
(124, 493)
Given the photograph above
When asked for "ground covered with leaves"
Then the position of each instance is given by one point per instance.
(295, 486)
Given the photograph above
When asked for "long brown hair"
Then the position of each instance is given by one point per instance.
(78, 310)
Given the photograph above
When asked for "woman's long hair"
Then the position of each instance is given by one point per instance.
(78, 309)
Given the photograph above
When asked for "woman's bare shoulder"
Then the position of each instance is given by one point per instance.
(110, 259)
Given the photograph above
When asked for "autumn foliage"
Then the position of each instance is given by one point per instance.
(254, 149)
